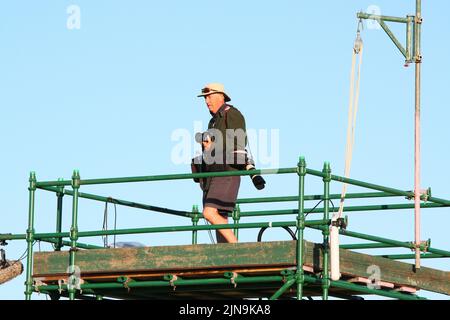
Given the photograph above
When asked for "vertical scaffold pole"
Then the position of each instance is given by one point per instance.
(236, 218)
(300, 227)
(417, 193)
(73, 233)
(195, 219)
(326, 232)
(59, 209)
(30, 236)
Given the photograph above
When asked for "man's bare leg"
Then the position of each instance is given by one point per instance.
(213, 216)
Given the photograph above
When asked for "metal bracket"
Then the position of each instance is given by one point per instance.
(3, 261)
(232, 276)
(38, 283)
(340, 223)
(174, 278)
(60, 284)
(3, 241)
(423, 244)
(424, 195)
(287, 274)
(171, 278)
(406, 52)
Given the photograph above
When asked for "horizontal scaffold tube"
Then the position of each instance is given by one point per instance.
(180, 282)
(389, 190)
(183, 176)
(317, 197)
(413, 256)
(41, 236)
(375, 17)
(221, 281)
(365, 289)
(79, 245)
(121, 202)
(346, 209)
(372, 186)
(381, 240)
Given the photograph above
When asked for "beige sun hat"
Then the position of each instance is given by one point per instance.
(214, 88)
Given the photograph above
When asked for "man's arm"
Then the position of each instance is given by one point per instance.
(236, 138)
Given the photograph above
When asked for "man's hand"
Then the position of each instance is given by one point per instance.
(207, 144)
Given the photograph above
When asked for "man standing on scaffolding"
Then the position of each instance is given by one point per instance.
(223, 150)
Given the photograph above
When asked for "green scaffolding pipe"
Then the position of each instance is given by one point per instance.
(59, 215)
(311, 223)
(236, 215)
(392, 191)
(364, 289)
(74, 228)
(394, 39)
(398, 192)
(180, 282)
(219, 281)
(394, 256)
(413, 256)
(361, 195)
(68, 244)
(409, 39)
(346, 209)
(183, 176)
(301, 227)
(366, 246)
(9, 236)
(315, 224)
(30, 236)
(381, 240)
(362, 184)
(122, 202)
(195, 218)
(325, 231)
(362, 15)
(283, 289)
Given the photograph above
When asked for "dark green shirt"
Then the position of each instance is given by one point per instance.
(232, 140)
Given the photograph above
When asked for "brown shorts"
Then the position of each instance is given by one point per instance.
(222, 193)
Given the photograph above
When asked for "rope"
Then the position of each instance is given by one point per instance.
(352, 113)
(351, 125)
(105, 223)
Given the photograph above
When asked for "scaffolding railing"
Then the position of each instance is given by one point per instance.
(298, 277)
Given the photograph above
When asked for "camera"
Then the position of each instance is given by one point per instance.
(204, 137)
(258, 180)
(240, 163)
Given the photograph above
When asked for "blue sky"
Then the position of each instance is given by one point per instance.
(106, 98)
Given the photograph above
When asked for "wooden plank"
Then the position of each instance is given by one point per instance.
(231, 256)
(367, 281)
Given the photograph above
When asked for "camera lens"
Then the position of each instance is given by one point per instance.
(199, 137)
(258, 182)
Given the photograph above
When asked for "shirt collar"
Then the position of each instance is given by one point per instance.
(219, 112)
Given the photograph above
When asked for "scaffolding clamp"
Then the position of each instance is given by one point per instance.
(60, 284)
(125, 281)
(232, 276)
(171, 278)
(340, 223)
(38, 283)
(3, 241)
(424, 195)
(287, 274)
(3, 262)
